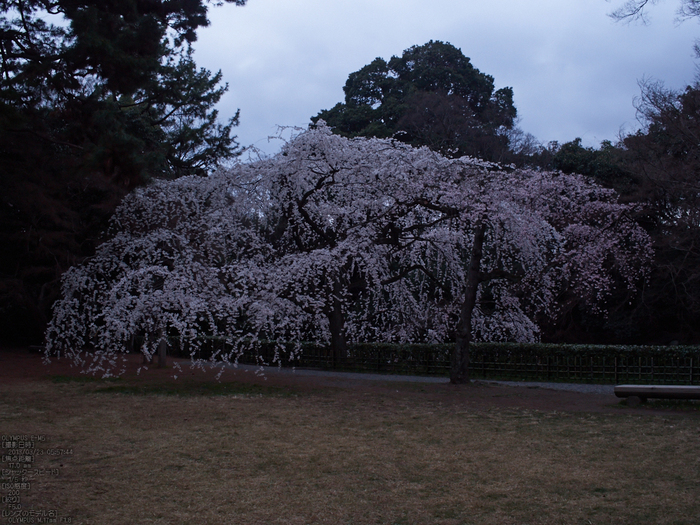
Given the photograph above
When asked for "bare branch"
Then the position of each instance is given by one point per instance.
(632, 11)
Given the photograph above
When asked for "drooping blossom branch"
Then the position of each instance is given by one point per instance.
(338, 240)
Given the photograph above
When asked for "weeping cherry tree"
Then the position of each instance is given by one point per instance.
(339, 240)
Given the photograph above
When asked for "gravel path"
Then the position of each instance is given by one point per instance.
(571, 387)
(341, 375)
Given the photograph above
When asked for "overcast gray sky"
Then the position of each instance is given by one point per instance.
(574, 71)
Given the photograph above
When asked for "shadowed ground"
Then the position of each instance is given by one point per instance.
(297, 448)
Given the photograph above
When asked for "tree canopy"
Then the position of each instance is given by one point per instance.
(96, 98)
(430, 96)
(336, 240)
(664, 159)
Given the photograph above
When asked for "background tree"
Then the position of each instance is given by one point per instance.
(656, 168)
(96, 98)
(664, 159)
(338, 240)
(430, 96)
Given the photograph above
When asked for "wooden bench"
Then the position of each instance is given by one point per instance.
(636, 394)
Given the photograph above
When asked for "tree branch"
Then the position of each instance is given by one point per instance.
(632, 10)
(46, 138)
(500, 274)
(413, 268)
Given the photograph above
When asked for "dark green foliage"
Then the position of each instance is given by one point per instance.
(665, 159)
(603, 164)
(580, 363)
(536, 362)
(96, 98)
(430, 96)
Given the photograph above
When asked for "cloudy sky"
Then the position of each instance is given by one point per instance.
(573, 70)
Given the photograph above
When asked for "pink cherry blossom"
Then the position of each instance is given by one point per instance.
(341, 240)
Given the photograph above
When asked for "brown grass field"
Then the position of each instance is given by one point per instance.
(148, 449)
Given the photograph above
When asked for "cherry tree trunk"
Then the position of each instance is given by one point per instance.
(459, 369)
(162, 353)
(336, 325)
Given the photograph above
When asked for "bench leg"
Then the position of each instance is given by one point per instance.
(633, 401)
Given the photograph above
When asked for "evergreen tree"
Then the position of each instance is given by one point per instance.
(96, 98)
(430, 96)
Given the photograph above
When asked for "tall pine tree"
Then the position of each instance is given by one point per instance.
(96, 98)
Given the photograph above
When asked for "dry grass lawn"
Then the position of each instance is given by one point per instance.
(250, 452)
